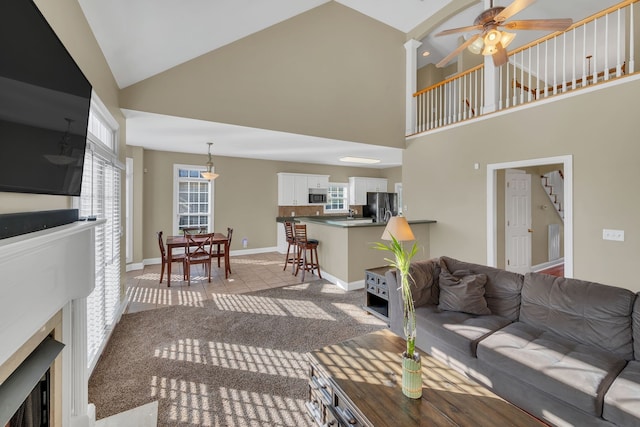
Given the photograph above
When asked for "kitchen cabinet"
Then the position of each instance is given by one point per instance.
(293, 188)
(359, 186)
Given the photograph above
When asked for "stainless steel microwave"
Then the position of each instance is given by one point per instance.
(317, 195)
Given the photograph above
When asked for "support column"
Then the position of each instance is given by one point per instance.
(411, 48)
(490, 102)
(490, 86)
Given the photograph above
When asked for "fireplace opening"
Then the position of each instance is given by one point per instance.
(34, 411)
(25, 396)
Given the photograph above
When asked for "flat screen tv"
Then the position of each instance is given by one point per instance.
(44, 106)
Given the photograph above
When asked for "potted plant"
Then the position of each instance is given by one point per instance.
(398, 231)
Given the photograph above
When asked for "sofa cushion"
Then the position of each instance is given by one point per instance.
(423, 277)
(461, 291)
(460, 330)
(576, 373)
(622, 401)
(591, 313)
(502, 290)
(635, 318)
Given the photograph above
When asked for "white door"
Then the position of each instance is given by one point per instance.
(518, 221)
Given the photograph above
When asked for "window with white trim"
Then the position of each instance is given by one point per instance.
(100, 197)
(192, 198)
(337, 198)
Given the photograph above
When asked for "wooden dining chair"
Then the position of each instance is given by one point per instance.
(174, 257)
(199, 247)
(219, 252)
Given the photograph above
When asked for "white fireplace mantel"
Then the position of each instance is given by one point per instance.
(41, 274)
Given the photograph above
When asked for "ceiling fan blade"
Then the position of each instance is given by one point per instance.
(539, 24)
(456, 52)
(459, 30)
(512, 9)
(500, 57)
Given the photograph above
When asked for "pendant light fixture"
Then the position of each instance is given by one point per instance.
(208, 174)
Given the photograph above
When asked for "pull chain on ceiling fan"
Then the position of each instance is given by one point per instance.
(492, 41)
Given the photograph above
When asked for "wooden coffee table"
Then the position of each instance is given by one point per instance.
(358, 383)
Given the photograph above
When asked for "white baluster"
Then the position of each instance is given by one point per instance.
(509, 87)
(584, 54)
(538, 71)
(546, 68)
(555, 65)
(573, 72)
(564, 62)
(631, 41)
(500, 83)
(529, 73)
(606, 47)
(595, 52)
(618, 42)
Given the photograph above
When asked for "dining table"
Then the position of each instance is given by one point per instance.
(181, 242)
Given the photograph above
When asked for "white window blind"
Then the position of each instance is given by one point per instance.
(100, 197)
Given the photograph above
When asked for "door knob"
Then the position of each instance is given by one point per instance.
(530, 230)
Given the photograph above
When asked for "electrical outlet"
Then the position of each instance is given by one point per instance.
(617, 235)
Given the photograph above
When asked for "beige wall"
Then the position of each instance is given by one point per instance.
(246, 195)
(597, 127)
(330, 72)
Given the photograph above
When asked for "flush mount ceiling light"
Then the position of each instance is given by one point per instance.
(208, 174)
(359, 160)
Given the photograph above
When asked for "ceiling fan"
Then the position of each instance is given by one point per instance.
(492, 41)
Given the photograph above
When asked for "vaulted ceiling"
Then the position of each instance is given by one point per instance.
(142, 38)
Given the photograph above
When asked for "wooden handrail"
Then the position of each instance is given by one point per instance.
(593, 17)
(450, 79)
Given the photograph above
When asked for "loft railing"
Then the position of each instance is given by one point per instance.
(594, 50)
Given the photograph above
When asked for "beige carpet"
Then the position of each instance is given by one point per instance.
(237, 361)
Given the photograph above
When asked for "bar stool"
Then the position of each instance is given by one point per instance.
(306, 245)
(291, 256)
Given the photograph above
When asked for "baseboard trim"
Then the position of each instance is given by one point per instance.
(135, 266)
(548, 264)
(347, 286)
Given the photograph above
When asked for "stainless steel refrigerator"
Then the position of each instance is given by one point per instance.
(382, 206)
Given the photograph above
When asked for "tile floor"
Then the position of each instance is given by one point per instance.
(249, 273)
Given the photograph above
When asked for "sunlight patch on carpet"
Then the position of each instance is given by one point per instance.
(271, 306)
(189, 401)
(246, 408)
(166, 296)
(248, 358)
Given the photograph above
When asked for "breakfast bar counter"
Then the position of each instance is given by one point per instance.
(346, 246)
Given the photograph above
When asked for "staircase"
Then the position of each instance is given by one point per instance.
(553, 183)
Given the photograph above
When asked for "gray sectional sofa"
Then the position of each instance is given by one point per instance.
(565, 350)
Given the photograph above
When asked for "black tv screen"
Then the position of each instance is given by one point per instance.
(44, 106)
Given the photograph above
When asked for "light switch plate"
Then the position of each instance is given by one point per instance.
(617, 235)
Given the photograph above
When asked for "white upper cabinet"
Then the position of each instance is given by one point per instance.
(293, 188)
(359, 186)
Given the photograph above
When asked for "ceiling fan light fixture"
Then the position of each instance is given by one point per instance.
(489, 50)
(477, 46)
(507, 38)
(209, 174)
(492, 38)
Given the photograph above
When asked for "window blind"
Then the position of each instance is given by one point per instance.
(100, 197)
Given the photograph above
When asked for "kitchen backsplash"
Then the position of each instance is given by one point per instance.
(312, 210)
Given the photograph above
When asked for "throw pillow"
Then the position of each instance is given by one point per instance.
(462, 291)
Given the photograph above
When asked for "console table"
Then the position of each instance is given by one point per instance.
(358, 383)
